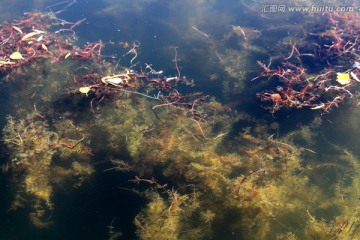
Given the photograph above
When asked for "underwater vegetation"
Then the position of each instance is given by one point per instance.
(41, 160)
(251, 187)
(209, 171)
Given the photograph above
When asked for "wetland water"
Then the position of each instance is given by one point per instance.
(179, 120)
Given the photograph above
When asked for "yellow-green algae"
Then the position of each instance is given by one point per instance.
(41, 160)
(252, 184)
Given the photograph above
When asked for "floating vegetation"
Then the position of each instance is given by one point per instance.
(299, 86)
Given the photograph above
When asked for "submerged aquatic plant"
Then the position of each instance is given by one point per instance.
(258, 184)
(34, 151)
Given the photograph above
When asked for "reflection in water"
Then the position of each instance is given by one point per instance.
(62, 6)
(91, 119)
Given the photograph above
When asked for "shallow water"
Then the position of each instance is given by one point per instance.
(130, 158)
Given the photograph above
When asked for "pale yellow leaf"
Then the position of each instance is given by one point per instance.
(16, 56)
(18, 29)
(29, 35)
(84, 90)
(67, 55)
(6, 63)
(44, 47)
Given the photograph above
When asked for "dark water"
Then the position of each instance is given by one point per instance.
(222, 62)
